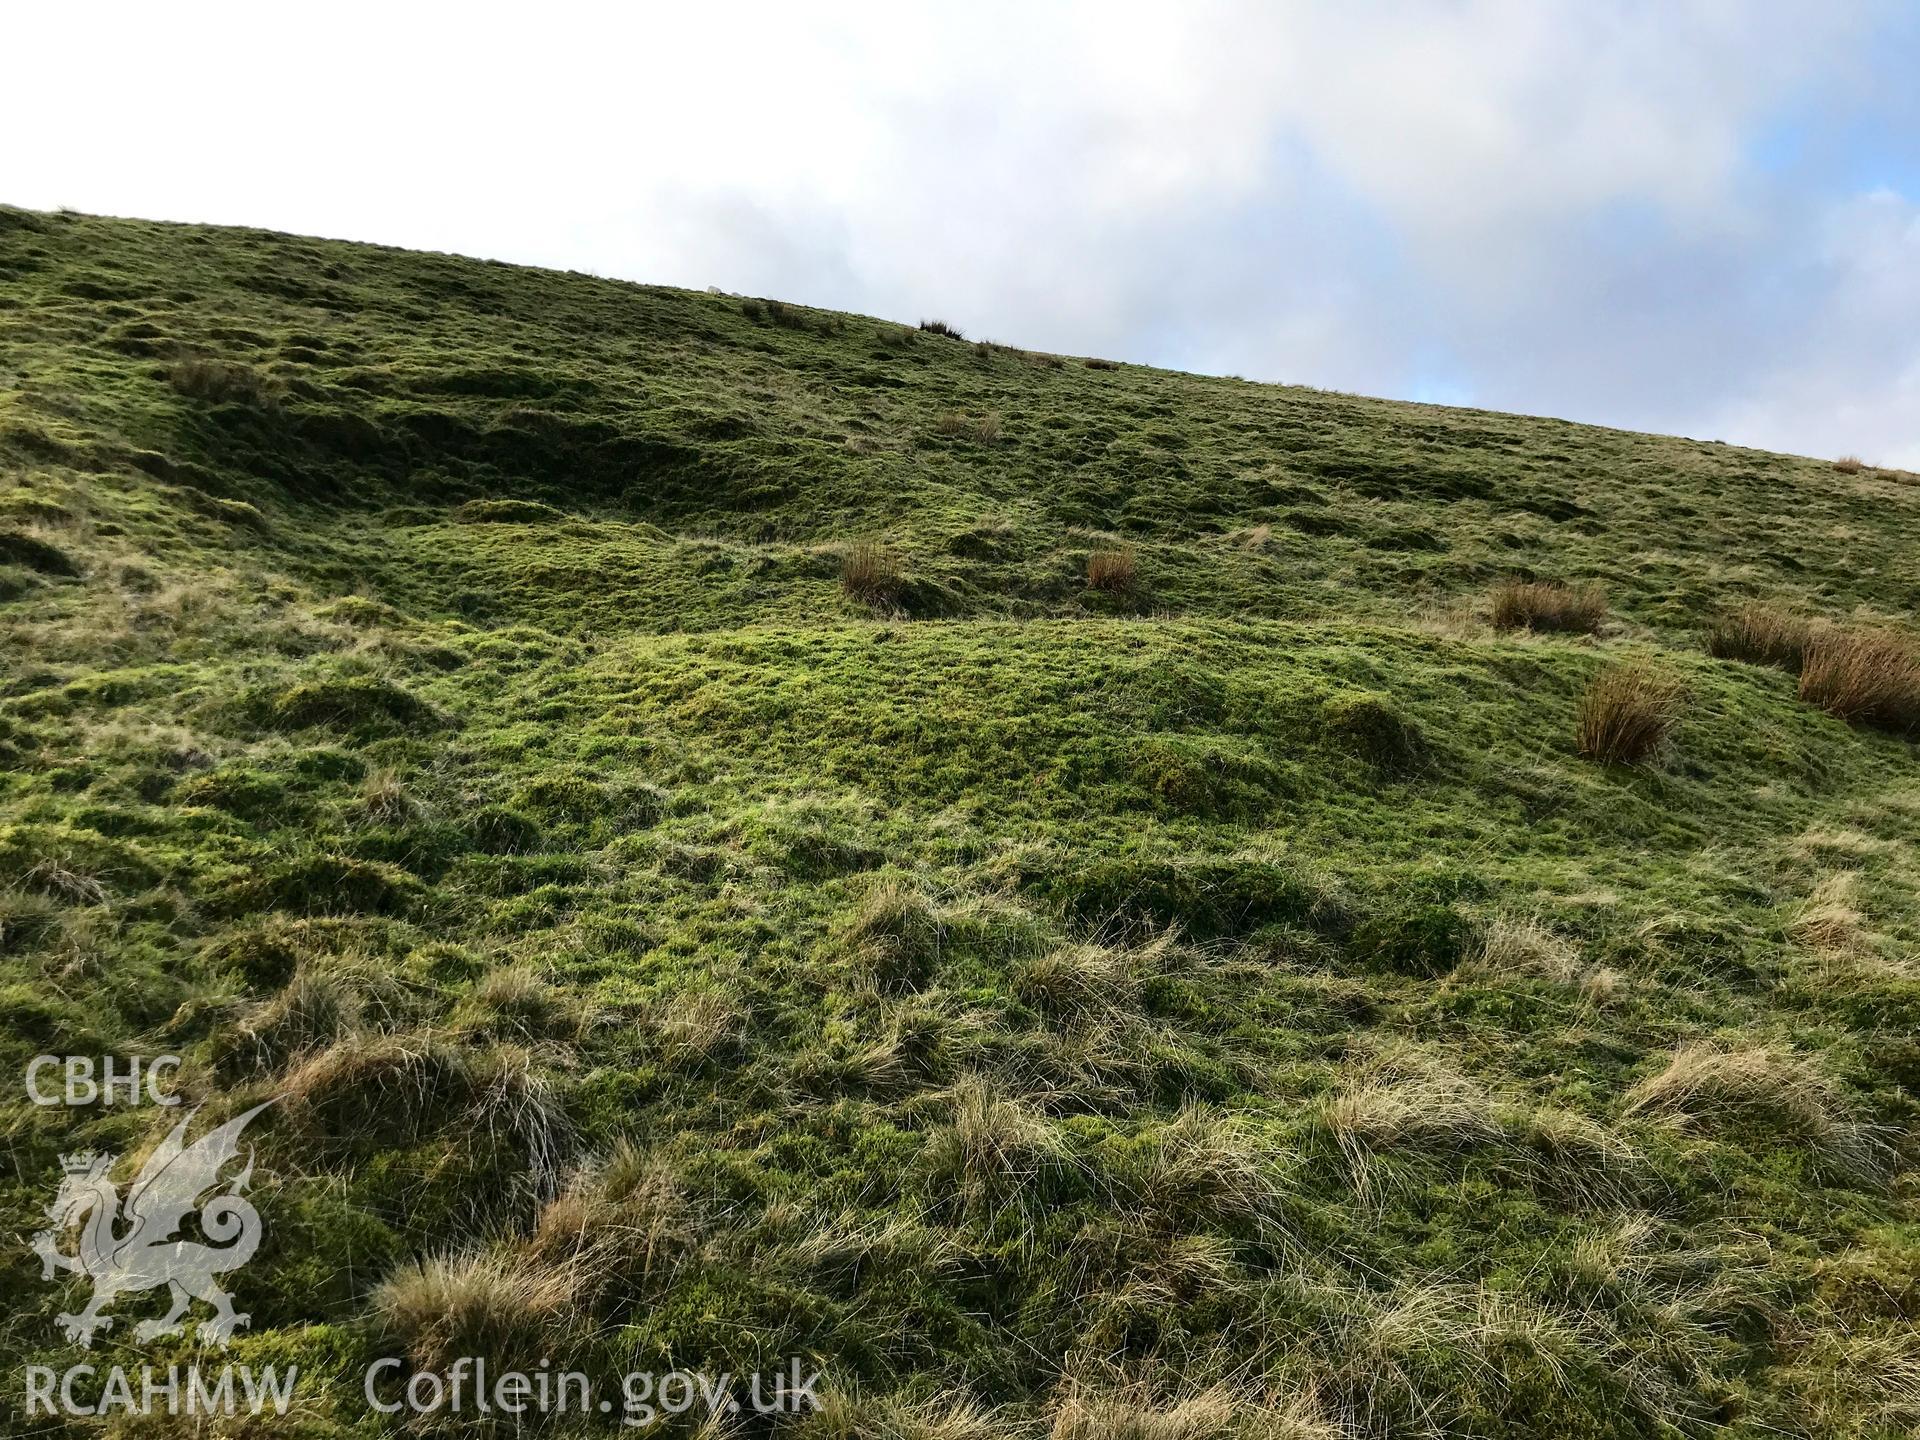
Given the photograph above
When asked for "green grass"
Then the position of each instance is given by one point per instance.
(1226, 1003)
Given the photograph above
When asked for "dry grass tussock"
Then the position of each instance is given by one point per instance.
(1859, 1385)
(619, 1231)
(1836, 843)
(995, 1144)
(1549, 605)
(403, 1085)
(317, 1007)
(1782, 1094)
(517, 1002)
(871, 572)
(1627, 714)
(1866, 677)
(1522, 945)
(1576, 1156)
(60, 881)
(983, 429)
(1114, 571)
(843, 1415)
(1217, 1413)
(385, 799)
(26, 916)
(1761, 634)
(895, 934)
(485, 1304)
(1828, 919)
(1850, 465)
(1407, 1100)
(693, 1027)
(1081, 983)
(815, 1246)
(1421, 1358)
(1205, 1168)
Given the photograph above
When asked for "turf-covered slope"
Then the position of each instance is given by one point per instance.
(1230, 1005)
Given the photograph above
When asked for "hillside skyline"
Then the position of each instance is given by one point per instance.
(1696, 220)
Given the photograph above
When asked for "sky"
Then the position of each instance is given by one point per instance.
(1691, 216)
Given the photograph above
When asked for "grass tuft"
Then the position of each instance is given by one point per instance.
(1627, 714)
(994, 1146)
(1525, 946)
(1113, 571)
(402, 1087)
(448, 1306)
(1829, 920)
(1080, 984)
(61, 881)
(1866, 677)
(844, 1416)
(1215, 1413)
(1549, 605)
(895, 934)
(385, 799)
(870, 572)
(1761, 634)
(1783, 1095)
(696, 1026)
(982, 429)
(516, 1002)
(1405, 1102)
(314, 1009)
(223, 382)
(1205, 1169)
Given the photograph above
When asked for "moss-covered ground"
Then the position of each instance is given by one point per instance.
(1222, 1005)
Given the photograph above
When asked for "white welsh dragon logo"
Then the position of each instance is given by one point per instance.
(149, 1252)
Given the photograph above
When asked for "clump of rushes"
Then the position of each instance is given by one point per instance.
(1761, 634)
(1079, 983)
(1719, 1089)
(941, 327)
(1134, 1415)
(1549, 605)
(869, 571)
(516, 1002)
(1113, 571)
(984, 429)
(385, 799)
(225, 382)
(1627, 714)
(1866, 677)
(896, 934)
(453, 1305)
(995, 1143)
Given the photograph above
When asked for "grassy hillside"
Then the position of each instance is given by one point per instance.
(646, 782)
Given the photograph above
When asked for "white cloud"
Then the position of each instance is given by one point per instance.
(1541, 204)
(1847, 380)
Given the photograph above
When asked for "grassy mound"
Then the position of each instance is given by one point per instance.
(1082, 900)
